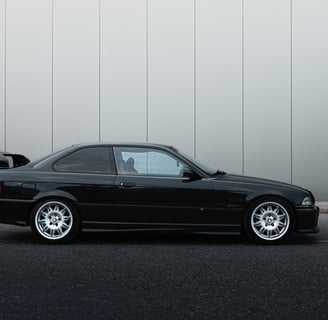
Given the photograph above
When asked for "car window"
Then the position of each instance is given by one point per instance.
(144, 161)
(89, 160)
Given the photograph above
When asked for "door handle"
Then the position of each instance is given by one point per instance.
(127, 184)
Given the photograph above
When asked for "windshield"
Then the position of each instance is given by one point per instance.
(210, 171)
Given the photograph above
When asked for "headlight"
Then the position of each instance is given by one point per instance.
(307, 201)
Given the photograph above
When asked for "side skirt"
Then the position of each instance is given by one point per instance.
(229, 229)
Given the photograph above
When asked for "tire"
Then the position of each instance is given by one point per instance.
(269, 221)
(55, 221)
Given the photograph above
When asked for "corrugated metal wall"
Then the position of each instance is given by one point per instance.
(240, 84)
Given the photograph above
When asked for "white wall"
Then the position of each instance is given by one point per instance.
(310, 95)
(75, 71)
(239, 84)
(218, 91)
(28, 76)
(123, 76)
(171, 73)
(267, 89)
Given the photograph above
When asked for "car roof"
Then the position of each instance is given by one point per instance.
(124, 144)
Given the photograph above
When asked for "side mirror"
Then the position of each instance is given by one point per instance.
(188, 173)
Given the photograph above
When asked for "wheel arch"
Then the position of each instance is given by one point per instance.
(57, 195)
(60, 194)
(259, 198)
(272, 197)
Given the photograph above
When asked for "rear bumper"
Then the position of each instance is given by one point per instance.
(307, 220)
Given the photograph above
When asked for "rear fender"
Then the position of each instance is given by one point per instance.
(54, 194)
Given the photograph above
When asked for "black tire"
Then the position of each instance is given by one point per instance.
(55, 221)
(269, 221)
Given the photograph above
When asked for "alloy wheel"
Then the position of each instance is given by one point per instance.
(53, 220)
(270, 220)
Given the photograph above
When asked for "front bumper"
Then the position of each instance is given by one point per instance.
(307, 219)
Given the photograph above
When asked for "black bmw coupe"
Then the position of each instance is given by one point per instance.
(147, 187)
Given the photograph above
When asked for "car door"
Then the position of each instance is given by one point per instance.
(151, 189)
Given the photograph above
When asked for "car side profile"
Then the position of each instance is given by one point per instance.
(147, 187)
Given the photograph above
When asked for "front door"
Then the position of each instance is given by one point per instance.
(151, 189)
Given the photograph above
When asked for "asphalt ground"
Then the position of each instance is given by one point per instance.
(163, 276)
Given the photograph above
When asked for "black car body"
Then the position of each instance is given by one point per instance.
(147, 187)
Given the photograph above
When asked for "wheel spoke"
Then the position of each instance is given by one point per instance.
(60, 230)
(258, 216)
(281, 224)
(275, 231)
(45, 229)
(262, 230)
(65, 225)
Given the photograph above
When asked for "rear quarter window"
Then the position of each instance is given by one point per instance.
(87, 160)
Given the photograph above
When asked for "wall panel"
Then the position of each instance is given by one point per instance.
(2, 73)
(241, 85)
(219, 84)
(75, 72)
(310, 96)
(123, 70)
(171, 73)
(267, 89)
(28, 77)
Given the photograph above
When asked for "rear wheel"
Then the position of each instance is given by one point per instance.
(55, 221)
(269, 221)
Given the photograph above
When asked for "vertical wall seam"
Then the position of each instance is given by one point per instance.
(195, 93)
(147, 70)
(243, 83)
(52, 76)
(5, 80)
(99, 71)
(291, 91)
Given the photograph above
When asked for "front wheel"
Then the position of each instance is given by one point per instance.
(269, 221)
(55, 221)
